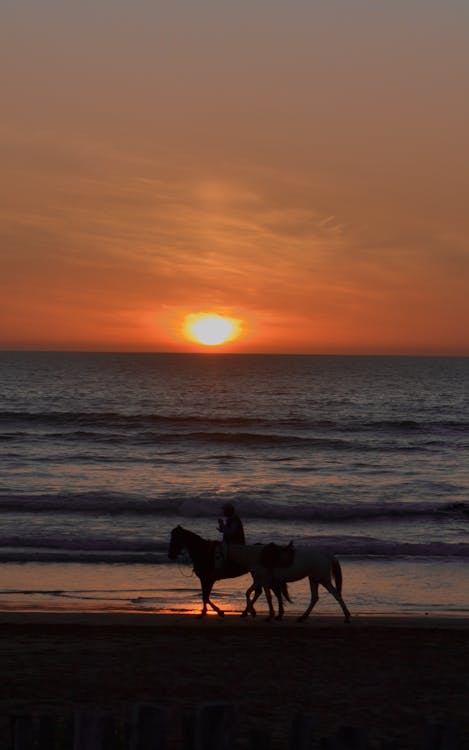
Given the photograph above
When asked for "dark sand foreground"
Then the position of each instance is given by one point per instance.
(386, 673)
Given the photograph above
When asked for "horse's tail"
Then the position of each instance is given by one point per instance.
(337, 573)
(285, 594)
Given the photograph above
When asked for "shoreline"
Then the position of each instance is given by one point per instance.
(370, 587)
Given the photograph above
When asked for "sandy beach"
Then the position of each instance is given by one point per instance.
(390, 674)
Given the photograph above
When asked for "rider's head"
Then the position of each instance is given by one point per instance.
(228, 509)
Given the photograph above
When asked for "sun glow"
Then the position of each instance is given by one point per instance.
(211, 329)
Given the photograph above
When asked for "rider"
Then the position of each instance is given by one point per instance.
(232, 529)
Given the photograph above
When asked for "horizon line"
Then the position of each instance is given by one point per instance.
(211, 352)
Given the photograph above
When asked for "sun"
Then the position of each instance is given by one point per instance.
(211, 329)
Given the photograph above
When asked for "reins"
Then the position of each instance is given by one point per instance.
(183, 561)
(198, 550)
(189, 555)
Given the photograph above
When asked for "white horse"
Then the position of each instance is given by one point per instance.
(249, 556)
(308, 562)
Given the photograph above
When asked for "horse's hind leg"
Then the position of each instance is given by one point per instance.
(314, 598)
(268, 596)
(278, 593)
(332, 590)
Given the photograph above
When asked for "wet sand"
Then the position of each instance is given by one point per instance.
(390, 674)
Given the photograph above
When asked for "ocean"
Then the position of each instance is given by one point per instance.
(101, 455)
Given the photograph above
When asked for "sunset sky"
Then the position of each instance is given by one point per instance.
(299, 166)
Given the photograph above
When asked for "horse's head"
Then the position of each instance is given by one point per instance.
(176, 542)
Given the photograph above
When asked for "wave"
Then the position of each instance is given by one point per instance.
(342, 546)
(79, 556)
(207, 504)
(110, 420)
(238, 440)
(98, 431)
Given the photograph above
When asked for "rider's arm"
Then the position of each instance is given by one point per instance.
(230, 529)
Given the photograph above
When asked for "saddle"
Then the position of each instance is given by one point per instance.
(277, 556)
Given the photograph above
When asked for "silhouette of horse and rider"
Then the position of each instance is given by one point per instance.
(271, 566)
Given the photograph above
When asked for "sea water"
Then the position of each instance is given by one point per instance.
(101, 455)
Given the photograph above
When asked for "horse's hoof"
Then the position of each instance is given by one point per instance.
(220, 613)
(301, 618)
(244, 614)
(279, 618)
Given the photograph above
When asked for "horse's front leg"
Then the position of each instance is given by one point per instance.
(250, 602)
(219, 611)
(248, 608)
(204, 605)
(206, 591)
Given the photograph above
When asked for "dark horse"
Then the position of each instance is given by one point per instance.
(202, 553)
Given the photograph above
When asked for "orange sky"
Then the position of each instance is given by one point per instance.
(300, 166)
